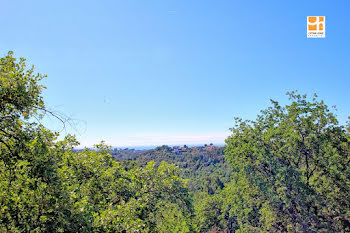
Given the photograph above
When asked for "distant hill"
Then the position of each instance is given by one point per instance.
(124, 154)
(204, 166)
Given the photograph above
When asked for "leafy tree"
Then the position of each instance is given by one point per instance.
(20, 100)
(208, 210)
(29, 197)
(290, 170)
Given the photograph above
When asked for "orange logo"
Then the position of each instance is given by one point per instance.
(316, 26)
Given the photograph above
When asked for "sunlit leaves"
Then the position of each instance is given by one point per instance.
(296, 157)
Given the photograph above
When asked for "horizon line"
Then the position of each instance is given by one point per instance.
(155, 146)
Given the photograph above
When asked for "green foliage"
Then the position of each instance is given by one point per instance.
(208, 211)
(20, 100)
(170, 218)
(203, 166)
(291, 170)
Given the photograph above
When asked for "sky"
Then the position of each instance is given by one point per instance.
(141, 73)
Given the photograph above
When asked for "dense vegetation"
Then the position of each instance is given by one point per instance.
(291, 172)
(203, 166)
(286, 171)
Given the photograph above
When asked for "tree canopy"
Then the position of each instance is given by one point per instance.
(291, 169)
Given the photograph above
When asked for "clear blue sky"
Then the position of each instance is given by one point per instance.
(174, 72)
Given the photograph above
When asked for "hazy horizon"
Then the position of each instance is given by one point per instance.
(152, 146)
